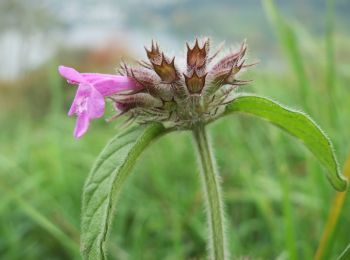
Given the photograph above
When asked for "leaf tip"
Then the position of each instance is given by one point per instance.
(340, 184)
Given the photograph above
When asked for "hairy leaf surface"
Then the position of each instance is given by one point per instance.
(105, 182)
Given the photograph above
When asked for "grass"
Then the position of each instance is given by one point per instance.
(277, 198)
(327, 238)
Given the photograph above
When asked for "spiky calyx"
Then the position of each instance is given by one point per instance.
(182, 99)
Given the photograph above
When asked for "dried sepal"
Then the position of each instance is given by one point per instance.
(144, 100)
(154, 55)
(144, 76)
(225, 70)
(195, 83)
(166, 70)
(225, 75)
(230, 60)
(197, 56)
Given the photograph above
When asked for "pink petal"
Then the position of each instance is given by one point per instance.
(93, 77)
(89, 101)
(108, 87)
(108, 84)
(96, 104)
(71, 74)
(81, 125)
(84, 90)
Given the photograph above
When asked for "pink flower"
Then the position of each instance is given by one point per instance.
(89, 100)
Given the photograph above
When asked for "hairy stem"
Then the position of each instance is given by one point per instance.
(212, 195)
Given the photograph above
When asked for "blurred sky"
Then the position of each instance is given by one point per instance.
(31, 31)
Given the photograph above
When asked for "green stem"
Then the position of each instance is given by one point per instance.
(212, 191)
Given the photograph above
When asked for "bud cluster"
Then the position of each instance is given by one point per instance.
(182, 98)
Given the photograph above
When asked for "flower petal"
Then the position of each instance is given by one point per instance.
(108, 84)
(96, 104)
(71, 75)
(81, 125)
(93, 77)
(84, 91)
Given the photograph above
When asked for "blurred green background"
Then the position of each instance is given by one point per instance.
(277, 197)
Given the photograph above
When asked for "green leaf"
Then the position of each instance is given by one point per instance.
(297, 124)
(105, 182)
